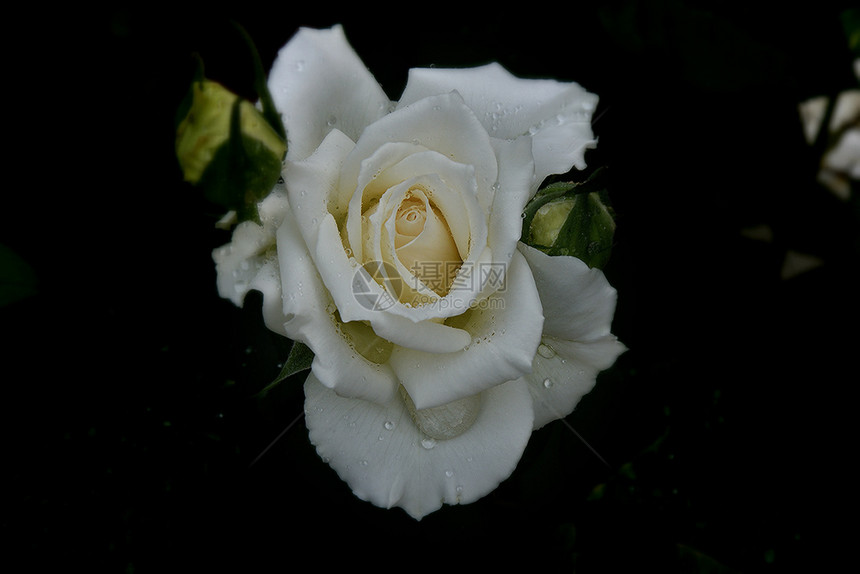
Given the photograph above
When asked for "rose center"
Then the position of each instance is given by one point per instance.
(424, 243)
(410, 218)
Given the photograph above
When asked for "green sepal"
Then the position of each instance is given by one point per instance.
(242, 171)
(300, 359)
(572, 218)
(269, 111)
(226, 148)
(197, 78)
(850, 19)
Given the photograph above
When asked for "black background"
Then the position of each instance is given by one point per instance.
(132, 432)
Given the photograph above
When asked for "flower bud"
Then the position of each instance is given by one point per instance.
(580, 225)
(548, 221)
(207, 127)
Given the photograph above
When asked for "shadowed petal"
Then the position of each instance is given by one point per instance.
(385, 459)
(565, 371)
(505, 334)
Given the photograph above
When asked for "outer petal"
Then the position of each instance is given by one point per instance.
(443, 123)
(318, 83)
(249, 262)
(505, 335)
(386, 460)
(513, 190)
(311, 182)
(309, 317)
(557, 114)
(565, 371)
(578, 302)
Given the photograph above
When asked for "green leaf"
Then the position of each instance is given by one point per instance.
(850, 19)
(572, 218)
(262, 88)
(17, 278)
(300, 359)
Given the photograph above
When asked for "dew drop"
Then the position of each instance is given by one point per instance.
(389, 425)
(428, 443)
(547, 383)
(546, 351)
(332, 119)
(449, 473)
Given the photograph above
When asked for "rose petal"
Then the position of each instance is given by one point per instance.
(356, 196)
(239, 262)
(505, 335)
(386, 460)
(565, 371)
(430, 123)
(311, 181)
(457, 199)
(557, 114)
(425, 335)
(422, 261)
(309, 317)
(578, 301)
(318, 83)
(513, 190)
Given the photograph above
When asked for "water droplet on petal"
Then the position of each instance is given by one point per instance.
(389, 425)
(428, 443)
(547, 383)
(449, 473)
(546, 351)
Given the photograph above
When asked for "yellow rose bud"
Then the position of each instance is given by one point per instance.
(206, 128)
(548, 221)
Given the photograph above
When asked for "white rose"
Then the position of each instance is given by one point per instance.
(392, 250)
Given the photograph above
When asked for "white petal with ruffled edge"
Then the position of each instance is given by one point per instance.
(505, 333)
(309, 318)
(511, 194)
(319, 83)
(579, 304)
(557, 114)
(386, 460)
(238, 263)
(565, 371)
(431, 123)
(578, 301)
